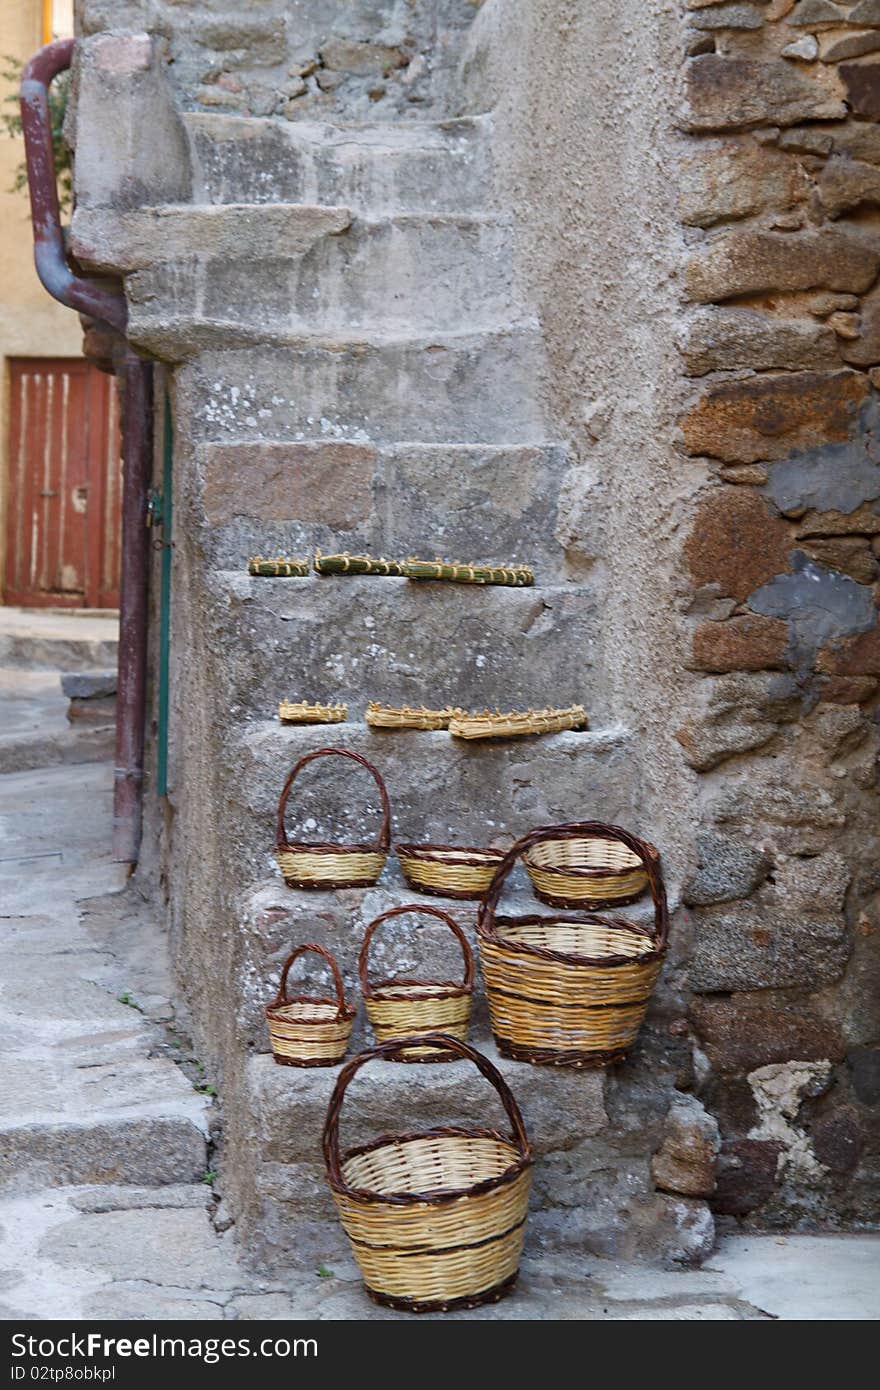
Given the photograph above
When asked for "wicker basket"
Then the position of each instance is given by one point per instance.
(592, 872)
(308, 1032)
(282, 567)
(405, 717)
(570, 991)
(356, 564)
(328, 866)
(519, 576)
(435, 1218)
(517, 723)
(446, 871)
(399, 1008)
(302, 712)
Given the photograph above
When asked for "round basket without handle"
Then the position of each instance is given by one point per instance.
(587, 871)
(306, 1031)
(435, 1218)
(328, 866)
(397, 1008)
(570, 990)
(446, 871)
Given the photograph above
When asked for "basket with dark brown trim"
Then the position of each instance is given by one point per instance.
(397, 1008)
(306, 1031)
(446, 871)
(570, 990)
(435, 1218)
(327, 865)
(591, 872)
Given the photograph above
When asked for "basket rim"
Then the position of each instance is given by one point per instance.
(347, 1012)
(486, 932)
(326, 847)
(581, 871)
(437, 1196)
(449, 990)
(434, 853)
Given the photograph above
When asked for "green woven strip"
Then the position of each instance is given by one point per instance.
(517, 575)
(280, 568)
(356, 564)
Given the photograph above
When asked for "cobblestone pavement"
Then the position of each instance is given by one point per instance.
(106, 1203)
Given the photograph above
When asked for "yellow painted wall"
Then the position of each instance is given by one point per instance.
(31, 323)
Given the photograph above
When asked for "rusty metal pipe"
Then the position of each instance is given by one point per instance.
(106, 304)
(87, 296)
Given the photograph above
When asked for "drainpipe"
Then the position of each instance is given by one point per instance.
(106, 303)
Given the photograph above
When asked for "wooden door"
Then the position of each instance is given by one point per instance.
(63, 486)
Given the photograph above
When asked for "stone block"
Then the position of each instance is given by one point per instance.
(350, 56)
(821, 605)
(738, 179)
(729, 16)
(744, 643)
(144, 1150)
(815, 884)
(718, 340)
(818, 14)
(742, 262)
(326, 483)
(685, 1161)
(88, 685)
(838, 1139)
(864, 1066)
(851, 555)
(770, 416)
(867, 13)
(740, 713)
(862, 86)
(727, 869)
(846, 184)
(862, 521)
(749, 1031)
(755, 948)
(852, 656)
(747, 1175)
(737, 542)
(864, 349)
(729, 93)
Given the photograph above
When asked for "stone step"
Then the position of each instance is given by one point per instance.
(36, 731)
(472, 502)
(377, 169)
(449, 387)
(41, 639)
(442, 790)
(274, 918)
(284, 1199)
(398, 641)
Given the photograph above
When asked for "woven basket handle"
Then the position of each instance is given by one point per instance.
(574, 830)
(442, 1041)
(281, 997)
(418, 911)
(383, 841)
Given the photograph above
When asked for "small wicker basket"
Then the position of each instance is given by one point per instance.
(592, 872)
(397, 1008)
(435, 1218)
(282, 567)
(517, 723)
(326, 866)
(303, 712)
(309, 1032)
(446, 871)
(570, 991)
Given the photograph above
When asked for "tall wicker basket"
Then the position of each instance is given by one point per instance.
(398, 1008)
(306, 1031)
(327, 866)
(570, 990)
(435, 1218)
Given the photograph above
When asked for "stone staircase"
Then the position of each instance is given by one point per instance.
(354, 365)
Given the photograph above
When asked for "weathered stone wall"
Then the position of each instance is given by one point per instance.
(780, 198)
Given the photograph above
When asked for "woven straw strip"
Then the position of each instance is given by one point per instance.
(403, 717)
(519, 576)
(549, 981)
(441, 1278)
(342, 867)
(516, 723)
(430, 1163)
(301, 712)
(564, 888)
(533, 1023)
(356, 564)
(282, 567)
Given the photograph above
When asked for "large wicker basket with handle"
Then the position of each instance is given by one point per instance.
(307, 1031)
(435, 1218)
(397, 1007)
(323, 865)
(570, 990)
